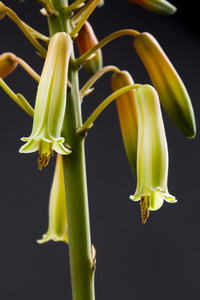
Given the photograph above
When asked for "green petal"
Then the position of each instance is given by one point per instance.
(29, 147)
(155, 200)
(61, 149)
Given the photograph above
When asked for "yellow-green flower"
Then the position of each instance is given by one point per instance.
(85, 40)
(157, 6)
(7, 65)
(152, 153)
(51, 102)
(58, 227)
(127, 115)
(171, 90)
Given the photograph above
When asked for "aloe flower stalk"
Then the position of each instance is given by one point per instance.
(127, 115)
(7, 65)
(152, 153)
(85, 40)
(157, 6)
(171, 90)
(50, 102)
(58, 227)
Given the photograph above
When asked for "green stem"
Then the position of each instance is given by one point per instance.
(80, 18)
(37, 35)
(106, 40)
(19, 99)
(89, 122)
(95, 77)
(75, 5)
(26, 67)
(24, 29)
(80, 248)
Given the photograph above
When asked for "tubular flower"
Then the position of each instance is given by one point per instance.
(7, 65)
(127, 115)
(152, 153)
(171, 90)
(50, 102)
(157, 6)
(85, 40)
(58, 228)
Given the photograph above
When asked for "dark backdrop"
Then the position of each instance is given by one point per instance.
(159, 260)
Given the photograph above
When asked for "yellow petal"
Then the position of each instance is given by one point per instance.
(58, 227)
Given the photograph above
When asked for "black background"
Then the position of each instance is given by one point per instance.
(159, 260)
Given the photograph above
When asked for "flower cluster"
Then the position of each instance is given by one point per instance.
(141, 121)
(138, 105)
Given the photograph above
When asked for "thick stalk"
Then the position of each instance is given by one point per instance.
(81, 262)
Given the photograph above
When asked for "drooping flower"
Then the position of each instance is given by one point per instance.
(51, 102)
(127, 115)
(157, 6)
(152, 153)
(85, 40)
(58, 227)
(171, 90)
(7, 65)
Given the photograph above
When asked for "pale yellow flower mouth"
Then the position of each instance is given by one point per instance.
(152, 202)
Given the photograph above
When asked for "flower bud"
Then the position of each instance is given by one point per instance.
(2, 10)
(58, 227)
(171, 90)
(152, 153)
(85, 40)
(7, 65)
(127, 115)
(157, 6)
(51, 102)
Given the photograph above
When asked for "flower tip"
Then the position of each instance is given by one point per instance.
(192, 134)
(49, 237)
(7, 64)
(43, 240)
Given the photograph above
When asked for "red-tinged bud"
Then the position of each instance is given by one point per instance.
(157, 6)
(171, 90)
(127, 115)
(85, 40)
(7, 64)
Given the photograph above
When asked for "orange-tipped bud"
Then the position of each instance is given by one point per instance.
(7, 64)
(171, 90)
(127, 115)
(85, 40)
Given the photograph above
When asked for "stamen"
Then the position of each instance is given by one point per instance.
(144, 203)
(45, 151)
(43, 160)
